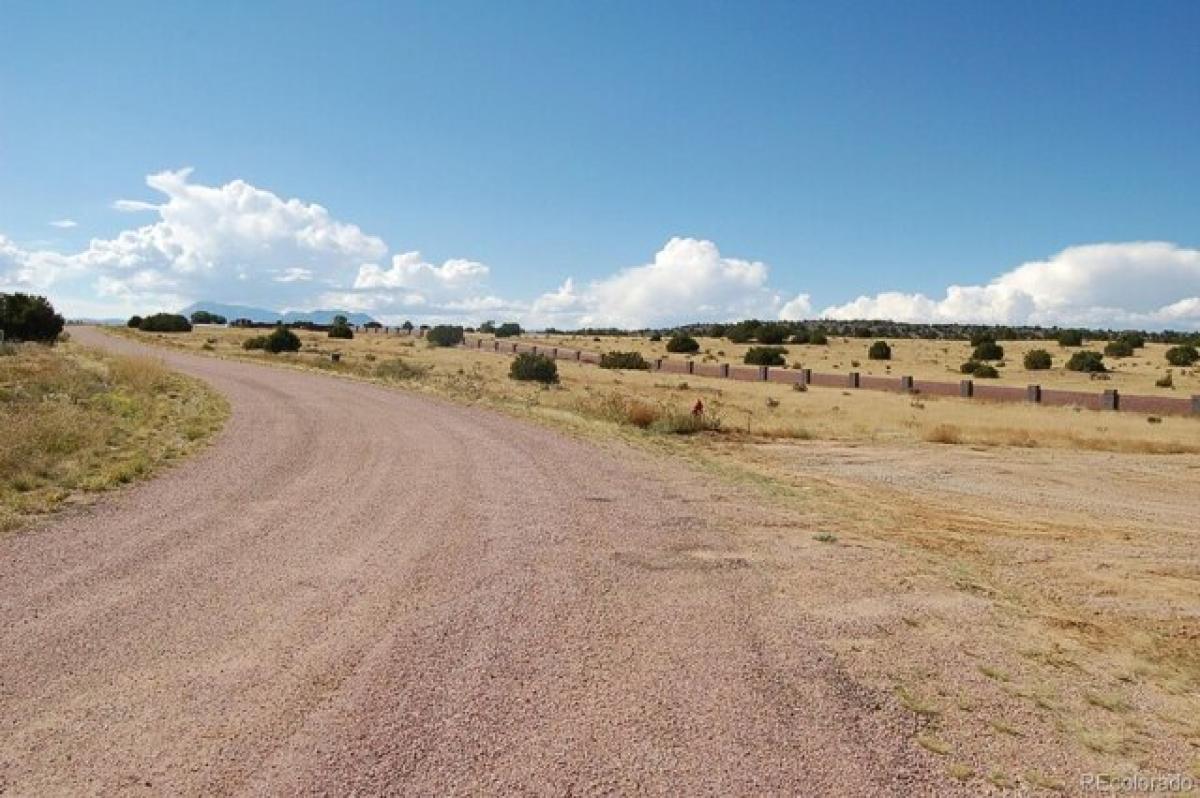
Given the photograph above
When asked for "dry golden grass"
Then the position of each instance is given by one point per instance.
(929, 360)
(74, 421)
(762, 410)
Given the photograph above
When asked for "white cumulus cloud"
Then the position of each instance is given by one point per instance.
(232, 242)
(688, 280)
(1135, 284)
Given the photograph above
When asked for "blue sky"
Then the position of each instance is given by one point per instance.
(848, 149)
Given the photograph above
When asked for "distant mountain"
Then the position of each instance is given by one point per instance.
(232, 312)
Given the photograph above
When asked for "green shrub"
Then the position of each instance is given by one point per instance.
(1070, 338)
(257, 342)
(204, 317)
(445, 335)
(536, 368)
(488, 327)
(1118, 348)
(800, 337)
(985, 371)
(135, 321)
(1135, 339)
(341, 328)
(508, 329)
(1038, 359)
(1087, 361)
(771, 334)
(282, 339)
(1165, 381)
(988, 350)
(1184, 355)
(765, 356)
(165, 322)
(969, 367)
(879, 351)
(656, 337)
(623, 360)
(818, 337)
(25, 317)
(682, 343)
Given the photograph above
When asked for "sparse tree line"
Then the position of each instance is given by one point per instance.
(818, 332)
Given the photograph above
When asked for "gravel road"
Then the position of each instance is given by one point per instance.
(361, 591)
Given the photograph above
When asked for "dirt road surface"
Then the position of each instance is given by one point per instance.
(361, 591)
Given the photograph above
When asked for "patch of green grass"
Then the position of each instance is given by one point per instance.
(1004, 727)
(1044, 781)
(934, 744)
(960, 771)
(825, 537)
(999, 778)
(915, 704)
(994, 673)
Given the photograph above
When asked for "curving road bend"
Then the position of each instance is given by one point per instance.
(361, 591)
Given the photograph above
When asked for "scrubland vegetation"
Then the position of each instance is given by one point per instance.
(75, 421)
(767, 411)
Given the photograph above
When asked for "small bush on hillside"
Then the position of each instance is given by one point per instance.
(536, 368)
(771, 334)
(1184, 355)
(656, 337)
(800, 338)
(879, 351)
(257, 342)
(1038, 359)
(1070, 338)
(1118, 348)
(682, 343)
(969, 367)
(988, 350)
(765, 356)
(1087, 361)
(985, 372)
(1135, 339)
(818, 338)
(204, 317)
(281, 339)
(341, 328)
(25, 317)
(1165, 381)
(165, 322)
(508, 329)
(445, 335)
(623, 360)
(135, 321)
